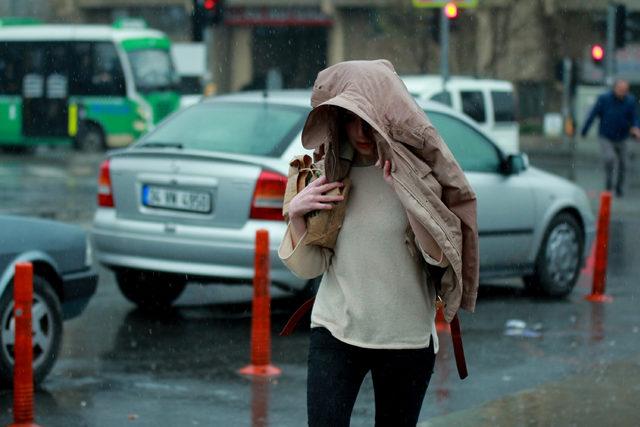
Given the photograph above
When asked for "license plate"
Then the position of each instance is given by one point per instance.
(174, 199)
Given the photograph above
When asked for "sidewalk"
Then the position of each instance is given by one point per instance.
(584, 149)
(583, 165)
(604, 395)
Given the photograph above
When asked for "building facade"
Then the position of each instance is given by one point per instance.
(286, 42)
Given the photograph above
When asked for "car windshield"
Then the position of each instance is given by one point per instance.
(259, 129)
(152, 69)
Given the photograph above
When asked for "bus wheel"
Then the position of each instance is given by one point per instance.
(90, 139)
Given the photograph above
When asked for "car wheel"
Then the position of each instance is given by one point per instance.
(558, 263)
(90, 139)
(46, 318)
(148, 289)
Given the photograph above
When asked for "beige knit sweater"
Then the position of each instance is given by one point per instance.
(373, 294)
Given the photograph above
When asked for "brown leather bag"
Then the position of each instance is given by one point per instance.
(323, 226)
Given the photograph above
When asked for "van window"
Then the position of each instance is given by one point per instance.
(503, 107)
(472, 150)
(443, 97)
(473, 105)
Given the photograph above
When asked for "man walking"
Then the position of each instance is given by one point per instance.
(616, 110)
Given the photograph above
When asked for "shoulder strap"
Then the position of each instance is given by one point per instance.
(458, 350)
(295, 318)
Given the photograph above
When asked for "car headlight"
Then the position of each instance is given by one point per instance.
(88, 254)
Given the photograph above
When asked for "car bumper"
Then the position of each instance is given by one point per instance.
(78, 288)
(205, 253)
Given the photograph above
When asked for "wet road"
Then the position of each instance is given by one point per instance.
(121, 367)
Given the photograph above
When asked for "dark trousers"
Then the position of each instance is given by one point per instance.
(615, 158)
(336, 371)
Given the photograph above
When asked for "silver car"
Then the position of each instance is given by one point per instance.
(183, 204)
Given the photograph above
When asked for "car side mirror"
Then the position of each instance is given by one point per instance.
(515, 163)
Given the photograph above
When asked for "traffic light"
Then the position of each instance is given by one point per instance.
(597, 53)
(620, 33)
(451, 10)
(205, 12)
(213, 11)
(452, 13)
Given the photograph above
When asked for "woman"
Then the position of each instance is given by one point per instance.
(374, 311)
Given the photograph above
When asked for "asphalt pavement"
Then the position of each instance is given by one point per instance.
(532, 361)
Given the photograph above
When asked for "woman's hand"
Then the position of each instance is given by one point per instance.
(311, 198)
(386, 171)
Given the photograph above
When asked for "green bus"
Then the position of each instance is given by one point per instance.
(93, 86)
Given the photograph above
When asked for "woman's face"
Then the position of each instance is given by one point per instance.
(359, 133)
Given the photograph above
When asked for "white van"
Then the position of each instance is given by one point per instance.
(489, 102)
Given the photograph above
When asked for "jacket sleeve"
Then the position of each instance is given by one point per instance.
(634, 113)
(595, 112)
(460, 199)
(304, 260)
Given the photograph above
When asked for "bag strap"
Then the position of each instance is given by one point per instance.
(295, 318)
(458, 350)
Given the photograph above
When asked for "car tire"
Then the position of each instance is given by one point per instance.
(90, 138)
(47, 331)
(558, 263)
(150, 290)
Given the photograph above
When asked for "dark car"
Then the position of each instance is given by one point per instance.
(63, 282)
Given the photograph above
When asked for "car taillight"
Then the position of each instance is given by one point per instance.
(105, 194)
(268, 196)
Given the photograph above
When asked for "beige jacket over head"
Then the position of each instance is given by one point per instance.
(427, 178)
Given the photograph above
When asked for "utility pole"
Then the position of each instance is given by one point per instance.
(610, 57)
(568, 131)
(444, 48)
(566, 96)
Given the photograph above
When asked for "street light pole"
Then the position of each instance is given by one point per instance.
(444, 47)
(610, 57)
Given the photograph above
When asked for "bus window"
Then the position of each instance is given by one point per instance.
(34, 70)
(97, 71)
(11, 68)
(107, 77)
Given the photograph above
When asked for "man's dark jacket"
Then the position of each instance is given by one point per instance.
(616, 115)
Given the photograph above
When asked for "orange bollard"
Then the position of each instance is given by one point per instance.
(261, 316)
(23, 347)
(602, 245)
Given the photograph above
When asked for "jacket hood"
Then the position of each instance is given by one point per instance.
(370, 89)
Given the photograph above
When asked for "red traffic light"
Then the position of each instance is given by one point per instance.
(451, 10)
(597, 52)
(210, 4)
